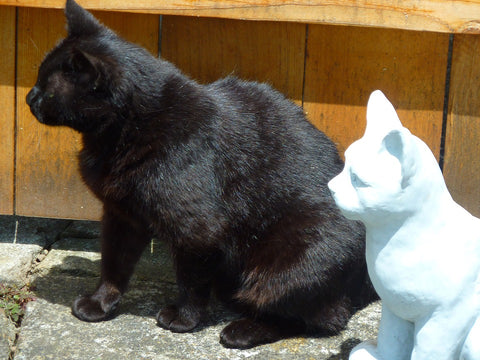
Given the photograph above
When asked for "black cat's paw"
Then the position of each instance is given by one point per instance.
(247, 333)
(89, 308)
(178, 320)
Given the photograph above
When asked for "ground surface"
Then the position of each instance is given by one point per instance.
(61, 260)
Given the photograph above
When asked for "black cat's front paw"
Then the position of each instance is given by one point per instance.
(178, 320)
(247, 333)
(87, 309)
(93, 308)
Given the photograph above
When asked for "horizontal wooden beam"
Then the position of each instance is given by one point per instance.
(426, 15)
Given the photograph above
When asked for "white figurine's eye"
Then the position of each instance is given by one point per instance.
(356, 181)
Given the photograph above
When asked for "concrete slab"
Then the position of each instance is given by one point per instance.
(7, 335)
(69, 266)
(16, 261)
(51, 332)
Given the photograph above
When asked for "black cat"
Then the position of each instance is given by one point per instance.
(231, 175)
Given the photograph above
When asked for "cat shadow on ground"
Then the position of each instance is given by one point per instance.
(75, 270)
(345, 349)
(68, 265)
(65, 274)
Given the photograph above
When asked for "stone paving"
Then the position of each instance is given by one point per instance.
(60, 259)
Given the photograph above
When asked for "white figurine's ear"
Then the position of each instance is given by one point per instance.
(381, 116)
(393, 142)
(397, 143)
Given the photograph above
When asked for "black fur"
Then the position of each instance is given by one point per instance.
(231, 175)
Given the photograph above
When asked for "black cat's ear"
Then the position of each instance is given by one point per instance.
(80, 61)
(80, 21)
(87, 68)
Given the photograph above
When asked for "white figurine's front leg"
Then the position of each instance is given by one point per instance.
(395, 340)
(471, 348)
(395, 336)
(366, 350)
(442, 335)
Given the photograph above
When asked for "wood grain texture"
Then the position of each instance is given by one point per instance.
(430, 15)
(462, 144)
(345, 64)
(48, 182)
(7, 108)
(208, 49)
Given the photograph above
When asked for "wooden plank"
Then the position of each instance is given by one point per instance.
(48, 182)
(208, 49)
(462, 144)
(7, 105)
(345, 64)
(430, 15)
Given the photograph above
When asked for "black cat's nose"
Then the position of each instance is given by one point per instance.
(32, 94)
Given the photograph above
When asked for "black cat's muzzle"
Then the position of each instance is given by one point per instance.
(34, 100)
(32, 94)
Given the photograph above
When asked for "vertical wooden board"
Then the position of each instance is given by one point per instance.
(7, 106)
(48, 182)
(462, 144)
(345, 64)
(208, 49)
(141, 29)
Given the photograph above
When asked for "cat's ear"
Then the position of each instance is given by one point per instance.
(80, 21)
(398, 143)
(381, 116)
(87, 68)
(394, 143)
(80, 61)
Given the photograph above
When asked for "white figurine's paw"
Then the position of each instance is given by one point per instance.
(366, 350)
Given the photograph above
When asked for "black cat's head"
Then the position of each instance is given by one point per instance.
(79, 81)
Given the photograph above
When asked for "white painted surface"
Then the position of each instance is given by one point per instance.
(423, 249)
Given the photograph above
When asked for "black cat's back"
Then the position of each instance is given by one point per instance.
(270, 129)
(288, 233)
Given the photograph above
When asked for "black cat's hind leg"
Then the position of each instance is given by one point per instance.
(308, 316)
(296, 273)
(247, 332)
(122, 246)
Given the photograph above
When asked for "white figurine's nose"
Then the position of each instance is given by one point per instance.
(332, 184)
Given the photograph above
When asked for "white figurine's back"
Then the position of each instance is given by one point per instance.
(423, 249)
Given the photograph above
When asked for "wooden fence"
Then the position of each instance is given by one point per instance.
(426, 60)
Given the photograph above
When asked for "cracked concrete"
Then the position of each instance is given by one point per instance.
(8, 335)
(61, 260)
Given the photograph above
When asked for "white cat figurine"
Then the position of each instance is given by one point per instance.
(422, 250)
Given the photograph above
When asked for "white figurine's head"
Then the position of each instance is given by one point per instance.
(387, 171)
